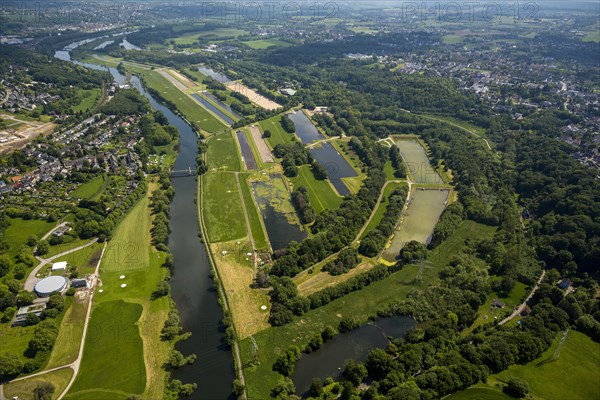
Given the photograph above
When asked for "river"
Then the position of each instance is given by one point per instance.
(191, 285)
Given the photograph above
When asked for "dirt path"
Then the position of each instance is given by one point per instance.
(362, 230)
(521, 307)
(459, 127)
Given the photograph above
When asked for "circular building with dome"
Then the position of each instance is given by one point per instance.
(49, 285)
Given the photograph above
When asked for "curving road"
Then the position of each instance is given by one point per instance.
(521, 307)
(77, 363)
(32, 279)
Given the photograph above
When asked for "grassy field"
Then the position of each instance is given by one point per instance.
(89, 189)
(63, 247)
(266, 43)
(89, 98)
(572, 375)
(113, 357)
(389, 189)
(123, 340)
(362, 304)
(192, 111)
(256, 224)
(191, 37)
(222, 208)
(24, 389)
(237, 273)
(69, 338)
(309, 283)
(278, 135)
(19, 230)
(479, 393)
(222, 153)
(487, 313)
(322, 195)
(84, 259)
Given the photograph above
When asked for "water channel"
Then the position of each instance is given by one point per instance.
(191, 285)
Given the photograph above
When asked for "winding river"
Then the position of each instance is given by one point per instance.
(191, 285)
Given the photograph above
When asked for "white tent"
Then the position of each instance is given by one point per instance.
(59, 266)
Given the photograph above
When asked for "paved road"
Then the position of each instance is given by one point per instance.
(32, 279)
(520, 309)
(331, 139)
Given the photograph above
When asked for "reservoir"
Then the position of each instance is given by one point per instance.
(221, 104)
(305, 129)
(329, 360)
(213, 74)
(207, 104)
(336, 166)
(277, 212)
(191, 285)
(418, 163)
(247, 154)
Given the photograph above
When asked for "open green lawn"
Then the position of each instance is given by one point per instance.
(192, 111)
(67, 344)
(129, 247)
(322, 195)
(113, 356)
(452, 39)
(89, 98)
(574, 375)
(266, 43)
(222, 207)
(222, 153)
(19, 230)
(24, 389)
(278, 135)
(389, 189)
(123, 343)
(90, 189)
(258, 232)
(479, 393)
(84, 259)
(362, 304)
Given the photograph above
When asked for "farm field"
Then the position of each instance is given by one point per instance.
(222, 208)
(24, 389)
(322, 195)
(361, 305)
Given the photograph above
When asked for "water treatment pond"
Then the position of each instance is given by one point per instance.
(305, 129)
(418, 163)
(329, 360)
(336, 166)
(277, 212)
(423, 213)
(221, 104)
(214, 109)
(247, 155)
(213, 74)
